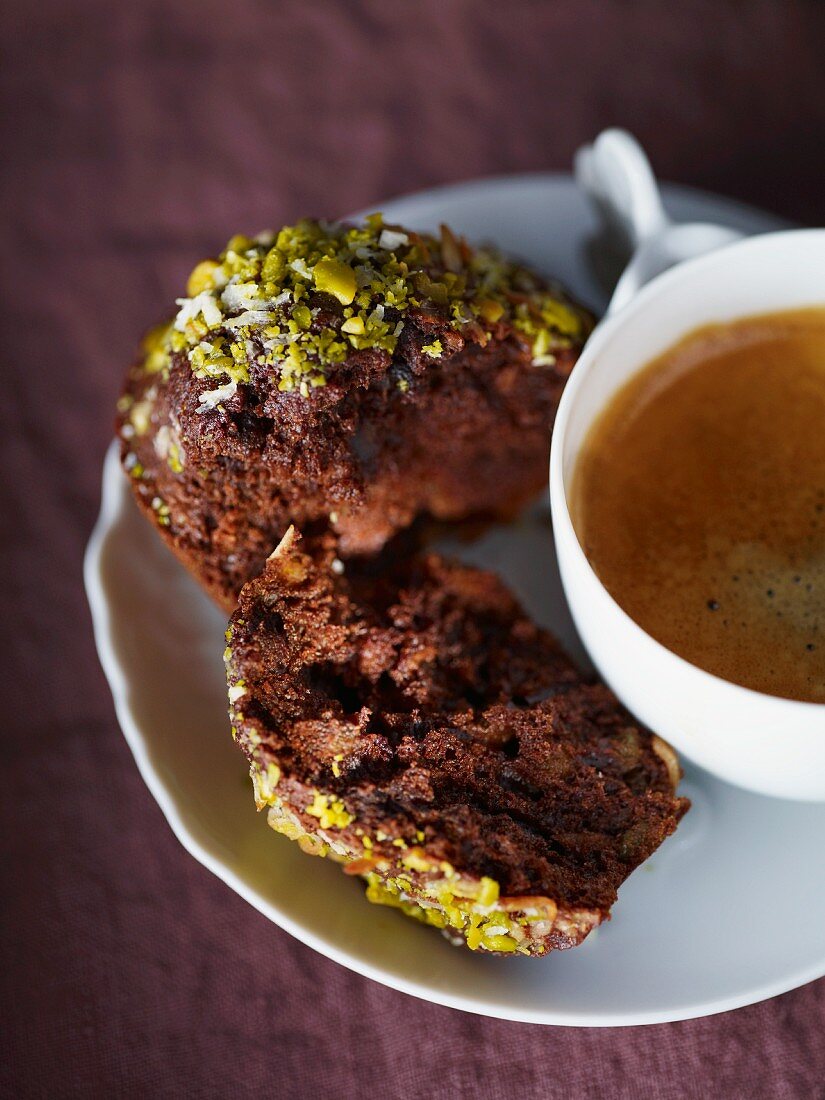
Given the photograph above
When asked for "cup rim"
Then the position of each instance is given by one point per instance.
(560, 506)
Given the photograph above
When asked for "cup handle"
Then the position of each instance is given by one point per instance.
(615, 172)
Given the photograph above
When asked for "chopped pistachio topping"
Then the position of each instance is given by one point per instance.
(161, 510)
(432, 891)
(132, 466)
(422, 886)
(439, 903)
(265, 781)
(175, 458)
(335, 277)
(139, 417)
(330, 812)
(292, 306)
(156, 346)
(399, 873)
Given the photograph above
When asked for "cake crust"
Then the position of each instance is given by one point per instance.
(406, 718)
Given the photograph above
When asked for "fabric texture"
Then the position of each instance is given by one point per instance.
(135, 137)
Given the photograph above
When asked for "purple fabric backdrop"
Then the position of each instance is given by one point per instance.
(134, 137)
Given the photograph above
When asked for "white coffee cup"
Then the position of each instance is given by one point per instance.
(762, 742)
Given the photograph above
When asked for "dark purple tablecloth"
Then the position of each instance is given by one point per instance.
(135, 136)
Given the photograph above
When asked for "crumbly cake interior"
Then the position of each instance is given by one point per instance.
(404, 716)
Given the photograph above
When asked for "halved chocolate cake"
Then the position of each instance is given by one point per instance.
(343, 377)
(404, 716)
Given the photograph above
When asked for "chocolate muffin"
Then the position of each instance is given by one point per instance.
(348, 378)
(403, 715)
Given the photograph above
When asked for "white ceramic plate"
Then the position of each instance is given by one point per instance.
(730, 910)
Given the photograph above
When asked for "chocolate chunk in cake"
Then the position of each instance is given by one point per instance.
(405, 717)
(343, 377)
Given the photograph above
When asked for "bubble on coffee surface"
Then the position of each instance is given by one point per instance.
(756, 590)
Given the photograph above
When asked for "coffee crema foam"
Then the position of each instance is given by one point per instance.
(699, 500)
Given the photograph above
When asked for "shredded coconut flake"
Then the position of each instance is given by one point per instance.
(300, 266)
(238, 296)
(390, 239)
(162, 441)
(250, 317)
(212, 398)
(209, 308)
(203, 303)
